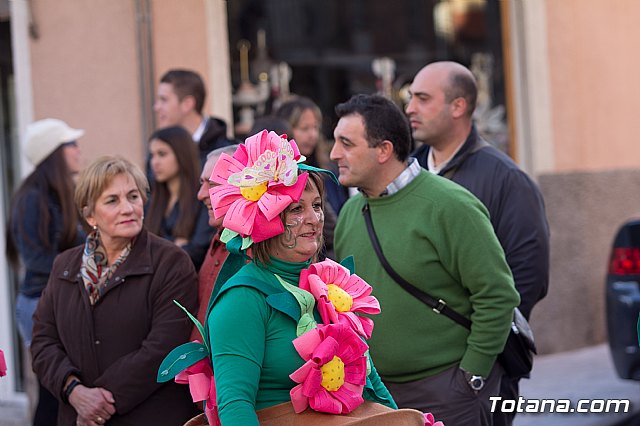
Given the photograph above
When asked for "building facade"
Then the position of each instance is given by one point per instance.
(566, 82)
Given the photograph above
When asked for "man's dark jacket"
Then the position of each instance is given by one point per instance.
(516, 208)
(213, 137)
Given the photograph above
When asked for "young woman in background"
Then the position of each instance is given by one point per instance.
(43, 223)
(174, 211)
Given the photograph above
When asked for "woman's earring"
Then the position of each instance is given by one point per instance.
(95, 227)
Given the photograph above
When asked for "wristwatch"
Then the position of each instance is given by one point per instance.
(475, 382)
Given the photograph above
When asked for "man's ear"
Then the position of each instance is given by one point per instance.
(385, 151)
(188, 103)
(458, 107)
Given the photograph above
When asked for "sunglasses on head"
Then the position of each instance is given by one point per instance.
(71, 143)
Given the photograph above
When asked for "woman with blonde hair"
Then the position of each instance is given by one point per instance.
(106, 318)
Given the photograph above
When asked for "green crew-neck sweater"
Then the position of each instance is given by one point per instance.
(437, 236)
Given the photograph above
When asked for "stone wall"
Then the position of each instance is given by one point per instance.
(585, 211)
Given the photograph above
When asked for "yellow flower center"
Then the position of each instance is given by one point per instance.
(253, 193)
(341, 300)
(333, 374)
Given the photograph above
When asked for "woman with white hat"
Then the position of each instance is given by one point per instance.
(43, 222)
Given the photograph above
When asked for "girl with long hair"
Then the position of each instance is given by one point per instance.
(43, 222)
(174, 211)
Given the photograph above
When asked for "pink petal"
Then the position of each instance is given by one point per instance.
(366, 305)
(255, 145)
(350, 396)
(241, 155)
(306, 343)
(329, 271)
(273, 202)
(301, 373)
(317, 287)
(294, 191)
(299, 401)
(356, 286)
(264, 229)
(325, 351)
(324, 402)
(3, 364)
(240, 217)
(273, 141)
(303, 282)
(313, 383)
(338, 274)
(367, 326)
(352, 348)
(429, 420)
(199, 386)
(222, 197)
(356, 372)
(354, 322)
(327, 311)
(296, 151)
(225, 167)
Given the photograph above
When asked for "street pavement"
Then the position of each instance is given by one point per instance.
(586, 373)
(14, 413)
(581, 374)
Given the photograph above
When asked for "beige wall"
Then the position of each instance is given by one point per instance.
(85, 71)
(594, 83)
(584, 211)
(172, 20)
(187, 34)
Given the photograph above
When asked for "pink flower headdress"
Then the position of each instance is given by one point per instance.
(256, 185)
(333, 377)
(340, 295)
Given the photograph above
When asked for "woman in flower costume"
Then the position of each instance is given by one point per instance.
(281, 329)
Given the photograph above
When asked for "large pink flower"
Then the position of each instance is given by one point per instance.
(256, 185)
(340, 295)
(202, 385)
(335, 372)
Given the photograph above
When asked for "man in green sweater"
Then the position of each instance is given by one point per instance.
(437, 236)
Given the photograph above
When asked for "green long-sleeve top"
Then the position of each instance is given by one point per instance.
(252, 325)
(437, 236)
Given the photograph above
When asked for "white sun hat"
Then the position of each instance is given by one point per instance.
(44, 136)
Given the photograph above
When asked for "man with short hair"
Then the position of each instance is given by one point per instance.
(443, 98)
(437, 236)
(217, 252)
(180, 102)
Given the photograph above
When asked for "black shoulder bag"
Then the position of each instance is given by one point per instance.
(517, 355)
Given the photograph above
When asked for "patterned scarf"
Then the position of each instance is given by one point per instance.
(95, 270)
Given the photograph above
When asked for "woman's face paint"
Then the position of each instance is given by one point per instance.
(304, 222)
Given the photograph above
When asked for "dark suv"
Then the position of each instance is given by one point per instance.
(623, 300)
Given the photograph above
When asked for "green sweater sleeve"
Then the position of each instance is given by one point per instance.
(474, 254)
(237, 348)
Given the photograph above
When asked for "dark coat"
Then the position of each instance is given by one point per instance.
(516, 208)
(200, 237)
(36, 257)
(213, 137)
(119, 343)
